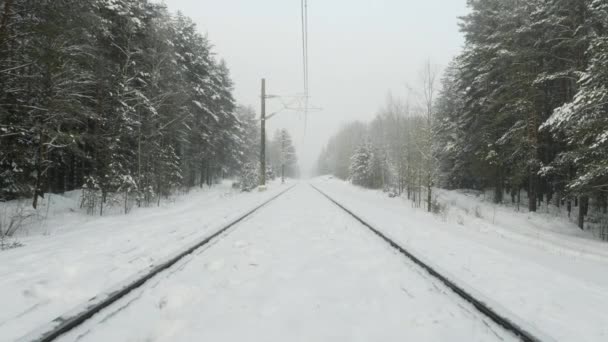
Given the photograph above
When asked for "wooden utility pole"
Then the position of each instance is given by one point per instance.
(263, 137)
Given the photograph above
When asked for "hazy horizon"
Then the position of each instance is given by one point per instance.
(359, 52)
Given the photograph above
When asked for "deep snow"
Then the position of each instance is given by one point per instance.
(85, 255)
(555, 281)
(300, 269)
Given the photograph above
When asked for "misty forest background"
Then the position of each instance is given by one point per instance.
(523, 110)
(120, 98)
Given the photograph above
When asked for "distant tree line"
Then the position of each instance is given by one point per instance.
(116, 96)
(523, 107)
(281, 156)
(391, 153)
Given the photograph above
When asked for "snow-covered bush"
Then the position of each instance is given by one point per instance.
(478, 213)
(91, 196)
(96, 201)
(597, 223)
(250, 177)
(12, 220)
(439, 208)
(460, 220)
(270, 174)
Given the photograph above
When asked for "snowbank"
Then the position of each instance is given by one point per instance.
(549, 228)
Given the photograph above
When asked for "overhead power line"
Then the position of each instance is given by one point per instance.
(306, 71)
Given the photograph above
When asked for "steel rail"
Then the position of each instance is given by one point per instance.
(65, 323)
(501, 319)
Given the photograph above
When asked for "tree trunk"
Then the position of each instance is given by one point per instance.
(203, 168)
(498, 189)
(408, 186)
(419, 190)
(429, 198)
(103, 200)
(4, 21)
(533, 139)
(550, 195)
(582, 211)
(126, 202)
(39, 160)
(532, 191)
(518, 198)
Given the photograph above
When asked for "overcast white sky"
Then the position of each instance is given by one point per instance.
(359, 51)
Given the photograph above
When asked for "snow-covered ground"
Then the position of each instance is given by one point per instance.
(537, 267)
(71, 257)
(547, 226)
(300, 269)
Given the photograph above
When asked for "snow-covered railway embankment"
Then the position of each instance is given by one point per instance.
(82, 313)
(486, 306)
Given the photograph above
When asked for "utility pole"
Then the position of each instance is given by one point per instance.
(263, 119)
(263, 138)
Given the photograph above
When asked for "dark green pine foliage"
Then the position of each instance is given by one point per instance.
(583, 122)
(118, 96)
(524, 106)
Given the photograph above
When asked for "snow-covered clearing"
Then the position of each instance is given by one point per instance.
(84, 255)
(556, 281)
(300, 269)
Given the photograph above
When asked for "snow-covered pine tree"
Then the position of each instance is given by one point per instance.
(110, 91)
(341, 148)
(281, 155)
(583, 123)
(448, 146)
(360, 169)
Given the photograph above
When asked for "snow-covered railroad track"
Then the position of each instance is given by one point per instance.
(484, 305)
(299, 270)
(82, 313)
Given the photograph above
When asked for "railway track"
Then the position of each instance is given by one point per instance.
(72, 320)
(65, 323)
(499, 318)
